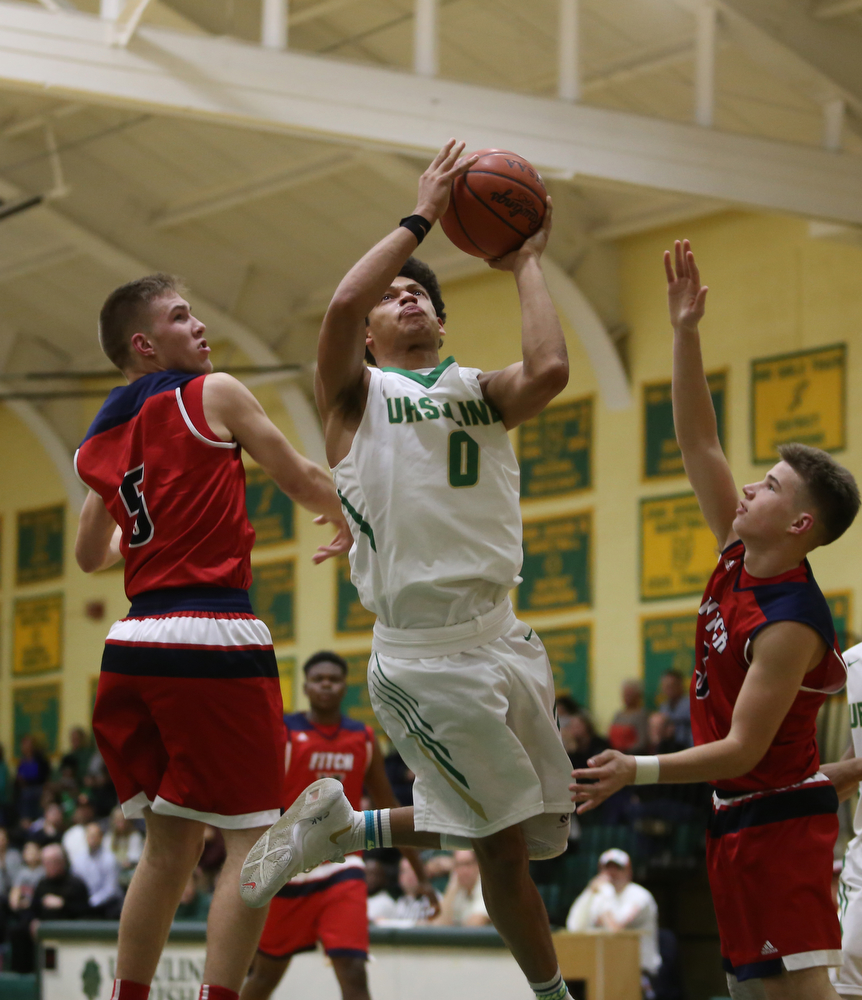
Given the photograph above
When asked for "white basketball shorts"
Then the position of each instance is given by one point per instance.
(848, 979)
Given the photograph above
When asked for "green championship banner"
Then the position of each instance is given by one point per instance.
(661, 455)
(557, 570)
(269, 510)
(38, 635)
(799, 397)
(570, 652)
(667, 642)
(841, 606)
(286, 675)
(36, 712)
(357, 702)
(40, 544)
(272, 597)
(555, 450)
(350, 617)
(678, 551)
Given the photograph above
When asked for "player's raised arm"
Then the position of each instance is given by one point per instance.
(693, 413)
(525, 388)
(341, 374)
(783, 654)
(233, 412)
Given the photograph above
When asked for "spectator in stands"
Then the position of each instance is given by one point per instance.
(27, 878)
(79, 754)
(628, 732)
(381, 903)
(614, 902)
(10, 864)
(49, 828)
(462, 904)
(212, 858)
(75, 838)
(100, 788)
(411, 908)
(565, 706)
(194, 904)
(98, 869)
(59, 895)
(581, 739)
(126, 844)
(675, 704)
(30, 777)
(661, 734)
(5, 790)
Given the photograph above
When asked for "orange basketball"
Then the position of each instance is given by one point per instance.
(495, 205)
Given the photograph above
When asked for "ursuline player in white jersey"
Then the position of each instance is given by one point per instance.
(427, 475)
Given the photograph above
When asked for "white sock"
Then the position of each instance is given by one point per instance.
(553, 989)
(371, 829)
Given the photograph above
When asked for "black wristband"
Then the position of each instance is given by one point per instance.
(418, 225)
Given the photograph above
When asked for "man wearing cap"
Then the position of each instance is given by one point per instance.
(613, 902)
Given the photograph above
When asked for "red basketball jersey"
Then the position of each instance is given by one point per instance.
(175, 489)
(735, 608)
(342, 751)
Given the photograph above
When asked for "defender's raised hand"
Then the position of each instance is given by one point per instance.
(435, 185)
(686, 297)
(607, 773)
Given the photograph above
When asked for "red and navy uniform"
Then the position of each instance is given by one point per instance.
(188, 709)
(772, 831)
(328, 904)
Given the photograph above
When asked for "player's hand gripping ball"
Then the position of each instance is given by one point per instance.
(496, 205)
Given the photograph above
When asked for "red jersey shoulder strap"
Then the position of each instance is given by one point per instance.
(190, 401)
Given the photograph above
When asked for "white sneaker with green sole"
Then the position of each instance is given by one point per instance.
(304, 837)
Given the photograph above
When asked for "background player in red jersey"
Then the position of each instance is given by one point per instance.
(767, 656)
(188, 710)
(329, 903)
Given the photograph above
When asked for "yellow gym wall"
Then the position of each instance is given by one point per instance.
(773, 289)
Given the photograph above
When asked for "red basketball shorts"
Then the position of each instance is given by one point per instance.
(332, 910)
(188, 714)
(769, 858)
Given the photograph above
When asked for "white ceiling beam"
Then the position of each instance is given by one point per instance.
(836, 8)
(128, 20)
(593, 335)
(220, 80)
(273, 24)
(225, 196)
(569, 51)
(128, 267)
(426, 36)
(833, 123)
(704, 64)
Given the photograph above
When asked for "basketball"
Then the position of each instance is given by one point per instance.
(496, 205)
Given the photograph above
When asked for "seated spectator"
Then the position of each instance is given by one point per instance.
(661, 736)
(212, 857)
(381, 903)
(410, 907)
(75, 838)
(126, 843)
(628, 732)
(613, 902)
(438, 868)
(565, 706)
(59, 895)
(79, 754)
(675, 704)
(32, 773)
(48, 829)
(462, 904)
(10, 862)
(98, 869)
(100, 788)
(5, 790)
(580, 739)
(67, 790)
(194, 904)
(27, 878)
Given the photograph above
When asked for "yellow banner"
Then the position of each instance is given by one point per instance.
(678, 551)
(38, 642)
(799, 397)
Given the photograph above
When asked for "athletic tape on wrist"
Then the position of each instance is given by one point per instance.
(417, 224)
(646, 770)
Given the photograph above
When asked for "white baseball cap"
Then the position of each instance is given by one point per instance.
(615, 856)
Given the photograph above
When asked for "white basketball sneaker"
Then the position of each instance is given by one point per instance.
(304, 837)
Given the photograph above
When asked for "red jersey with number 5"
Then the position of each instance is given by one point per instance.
(175, 489)
(735, 608)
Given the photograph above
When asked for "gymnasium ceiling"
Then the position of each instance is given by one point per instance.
(178, 143)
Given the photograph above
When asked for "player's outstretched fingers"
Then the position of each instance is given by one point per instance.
(679, 259)
(441, 156)
(692, 266)
(668, 268)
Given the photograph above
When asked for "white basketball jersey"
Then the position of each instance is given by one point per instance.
(853, 659)
(430, 489)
